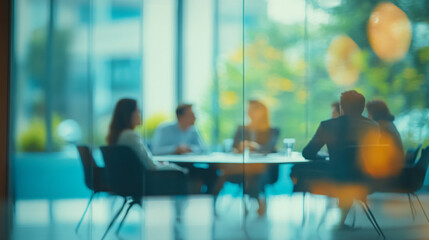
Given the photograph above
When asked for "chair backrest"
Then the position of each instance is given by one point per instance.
(88, 164)
(354, 162)
(421, 168)
(411, 155)
(125, 172)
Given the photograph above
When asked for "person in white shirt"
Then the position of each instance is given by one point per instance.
(126, 118)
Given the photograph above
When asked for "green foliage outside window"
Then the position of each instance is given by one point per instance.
(33, 138)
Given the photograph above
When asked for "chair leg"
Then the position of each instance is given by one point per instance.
(84, 213)
(411, 207)
(114, 219)
(303, 208)
(354, 216)
(371, 217)
(424, 212)
(125, 216)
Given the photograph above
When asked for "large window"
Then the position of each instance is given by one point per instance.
(74, 59)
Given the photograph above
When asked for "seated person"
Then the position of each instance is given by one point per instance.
(126, 118)
(181, 137)
(335, 107)
(259, 137)
(379, 112)
(178, 137)
(350, 129)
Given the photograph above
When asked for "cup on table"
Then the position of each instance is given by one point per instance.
(288, 144)
(227, 145)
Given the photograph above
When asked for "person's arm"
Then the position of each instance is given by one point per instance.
(136, 143)
(159, 146)
(316, 143)
(270, 145)
(133, 140)
(197, 144)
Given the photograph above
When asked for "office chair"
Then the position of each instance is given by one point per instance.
(411, 155)
(95, 177)
(128, 178)
(409, 181)
(343, 171)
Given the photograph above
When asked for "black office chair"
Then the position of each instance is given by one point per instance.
(411, 155)
(410, 180)
(95, 177)
(342, 170)
(129, 179)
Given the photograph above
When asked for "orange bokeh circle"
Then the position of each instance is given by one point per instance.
(389, 32)
(343, 61)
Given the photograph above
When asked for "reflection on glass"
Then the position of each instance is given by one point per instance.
(343, 61)
(389, 32)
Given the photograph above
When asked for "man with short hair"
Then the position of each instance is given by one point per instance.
(178, 137)
(340, 133)
(350, 128)
(182, 137)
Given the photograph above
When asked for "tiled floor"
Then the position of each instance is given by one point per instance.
(45, 220)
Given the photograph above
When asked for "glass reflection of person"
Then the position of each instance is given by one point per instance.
(126, 118)
(379, 112)
(259, 137)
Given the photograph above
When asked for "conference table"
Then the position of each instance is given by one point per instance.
(234, 158)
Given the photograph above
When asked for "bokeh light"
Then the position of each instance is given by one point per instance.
(389, 32)
(343, 61)
(380, 162)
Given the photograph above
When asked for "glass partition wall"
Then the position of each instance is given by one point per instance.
(260, 75)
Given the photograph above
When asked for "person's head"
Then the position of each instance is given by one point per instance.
(125, 116)
(335, 107)
(258, 114)
(185, 115)
(352, 103)
(378, 110)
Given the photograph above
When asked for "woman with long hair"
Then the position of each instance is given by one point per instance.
(258, 137)
(126, 118)
(379, 112)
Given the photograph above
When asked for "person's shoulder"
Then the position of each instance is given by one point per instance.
(330, 121)
(167, 126)
(369, 121)
(240, 128)
(128, 133)
(274, 130)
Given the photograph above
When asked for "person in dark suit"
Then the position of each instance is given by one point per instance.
(349, 129)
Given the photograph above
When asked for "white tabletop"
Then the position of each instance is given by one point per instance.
(218, 157)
